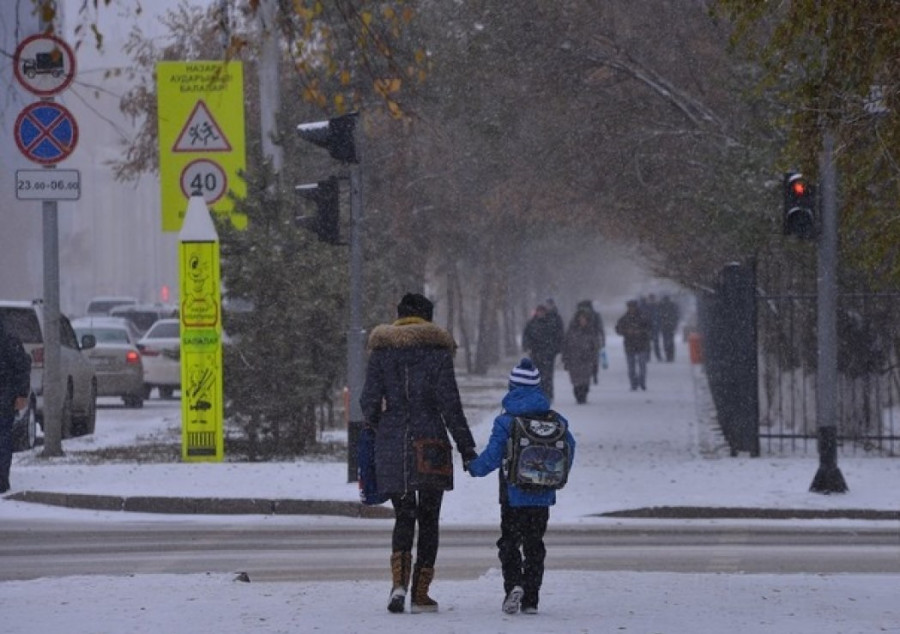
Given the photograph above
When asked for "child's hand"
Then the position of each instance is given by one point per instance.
(468, 455)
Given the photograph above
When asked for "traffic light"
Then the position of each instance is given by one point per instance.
(799, 217)
(326, 222)
(335, 135)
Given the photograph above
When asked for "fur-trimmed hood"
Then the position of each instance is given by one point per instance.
(410, 332)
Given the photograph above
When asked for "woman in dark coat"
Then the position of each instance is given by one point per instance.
(411, 400)
(580, 353)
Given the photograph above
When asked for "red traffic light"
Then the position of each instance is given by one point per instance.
(799, 215)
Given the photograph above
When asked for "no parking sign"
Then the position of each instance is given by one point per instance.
(45, 132)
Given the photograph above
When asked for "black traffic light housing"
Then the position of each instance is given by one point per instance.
(326, 223)
(335, 135)
(799, 216)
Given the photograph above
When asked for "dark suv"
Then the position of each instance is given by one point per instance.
(79, 411)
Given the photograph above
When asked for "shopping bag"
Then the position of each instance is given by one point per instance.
(365, 469)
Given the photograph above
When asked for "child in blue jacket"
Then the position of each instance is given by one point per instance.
(523, 514)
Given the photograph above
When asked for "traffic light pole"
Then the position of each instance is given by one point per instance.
(338, 136)
(356, 336)
(829, 478)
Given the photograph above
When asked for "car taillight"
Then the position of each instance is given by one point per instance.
(37, 356)
(132, 357)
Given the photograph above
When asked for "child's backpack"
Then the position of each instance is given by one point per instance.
(537, 454)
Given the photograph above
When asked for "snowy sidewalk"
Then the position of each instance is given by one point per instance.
(636, 450)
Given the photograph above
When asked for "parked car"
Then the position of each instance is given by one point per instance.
(79, 381)
(103, 304)
(116, 358)
(161, 351)
(144, 315)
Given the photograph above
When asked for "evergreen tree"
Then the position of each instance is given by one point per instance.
(286, 354)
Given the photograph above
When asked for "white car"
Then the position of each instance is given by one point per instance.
(116, 358)
(161, 352)
(144, 315)
(103, 304)
(79, 409)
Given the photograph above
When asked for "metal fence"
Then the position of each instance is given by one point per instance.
(868, 399)
(761, 357)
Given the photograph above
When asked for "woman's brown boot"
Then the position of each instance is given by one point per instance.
(400, 565)
(421, 602)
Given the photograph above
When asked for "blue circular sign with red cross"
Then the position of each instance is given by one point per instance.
(46, 133)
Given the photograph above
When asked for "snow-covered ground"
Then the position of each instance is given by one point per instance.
(635, 450)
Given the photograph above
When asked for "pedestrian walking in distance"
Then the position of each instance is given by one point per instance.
(596, 320)
(15, 383)
(669, 315)
(581, 352)
(635, 328)
(524, 512)
(411, 400)
(543, 340)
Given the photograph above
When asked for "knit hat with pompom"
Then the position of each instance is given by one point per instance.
(524, 374)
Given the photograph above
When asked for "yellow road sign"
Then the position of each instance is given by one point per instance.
(202, 410)
(201, 137)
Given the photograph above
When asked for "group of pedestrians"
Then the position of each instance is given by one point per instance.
(647, 327)
(579, 344)
(411, 401)
(664, 316)
(647, 321)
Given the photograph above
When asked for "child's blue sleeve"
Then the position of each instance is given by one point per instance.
(492, 456)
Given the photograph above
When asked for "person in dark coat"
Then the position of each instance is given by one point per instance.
(15, 383)
(411, 400)
(523, 514)
(669, 315)
(581, 350)
(650, 308)
(542, 340)
(596, 320)
(635, 328)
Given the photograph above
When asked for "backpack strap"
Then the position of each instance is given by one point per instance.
(550, 414)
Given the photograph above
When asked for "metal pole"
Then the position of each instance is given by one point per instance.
(828, 479)
(269, 90)
(53, 392)
(356, 336)
(52, 376)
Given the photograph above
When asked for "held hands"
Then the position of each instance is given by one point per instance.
(21, 402)
(468, 455)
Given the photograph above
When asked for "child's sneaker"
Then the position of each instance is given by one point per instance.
(529, 609)
(513, 600)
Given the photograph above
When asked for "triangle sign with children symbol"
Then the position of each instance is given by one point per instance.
(201, 133)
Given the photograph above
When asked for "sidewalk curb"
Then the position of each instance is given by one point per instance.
(254, 506)
(725, 512)
(203, 506)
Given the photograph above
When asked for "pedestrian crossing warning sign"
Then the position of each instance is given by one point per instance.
(200, 107)
(201, 133)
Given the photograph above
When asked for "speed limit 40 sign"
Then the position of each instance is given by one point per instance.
(206, 178)
(201, 138)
